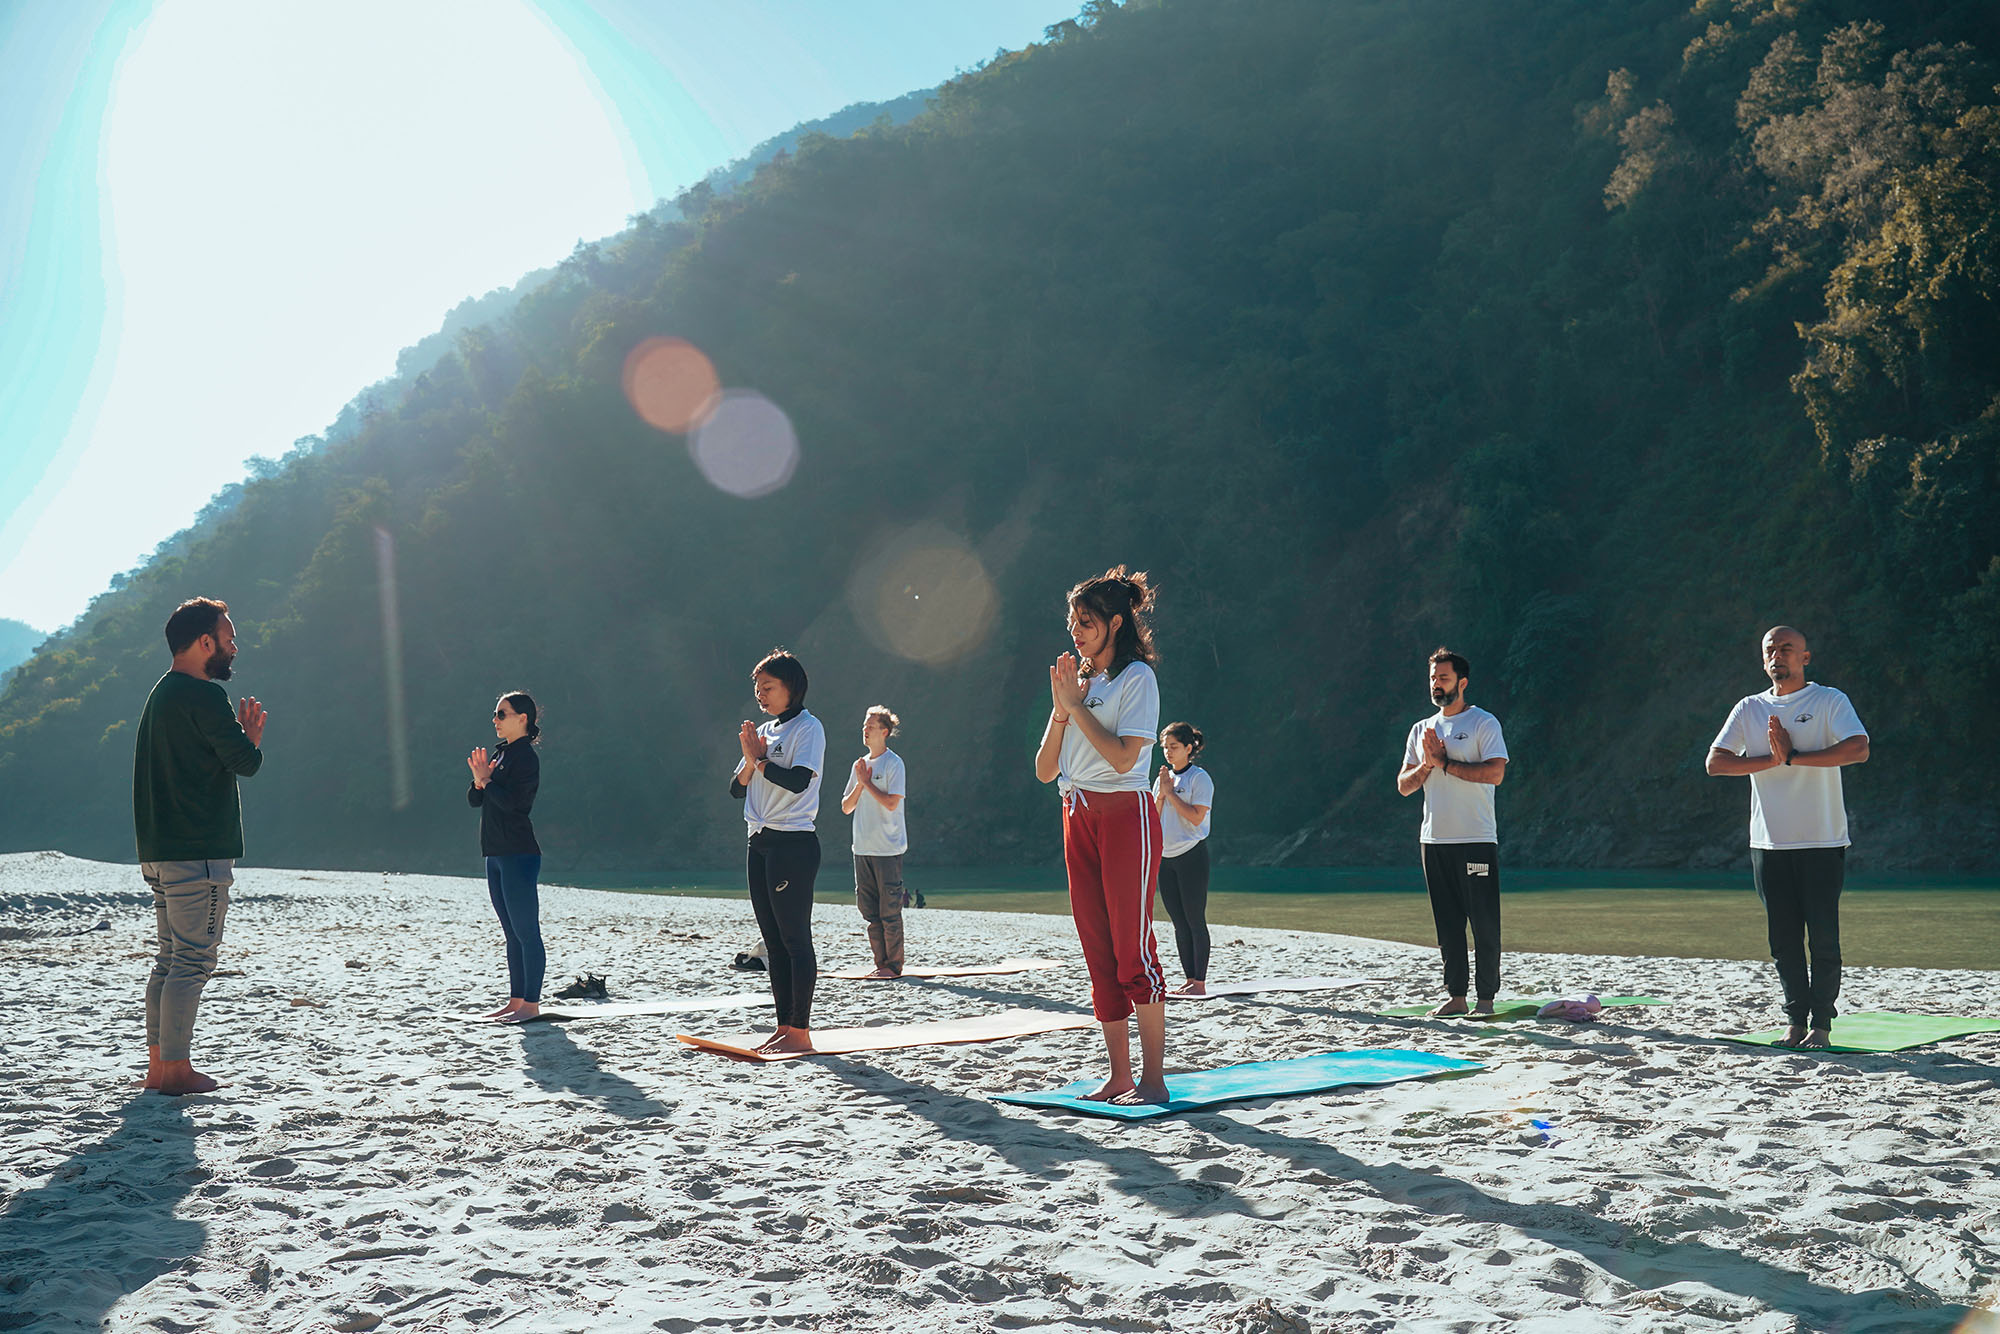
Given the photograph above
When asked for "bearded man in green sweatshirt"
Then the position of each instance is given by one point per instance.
(192, 747)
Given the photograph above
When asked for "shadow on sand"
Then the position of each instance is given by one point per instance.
(103, 1224)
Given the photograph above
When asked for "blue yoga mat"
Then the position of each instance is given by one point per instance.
(1257, 1079)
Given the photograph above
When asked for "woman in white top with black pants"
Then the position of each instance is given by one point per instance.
(1186, 794)
(1106, 708)
(778, 783)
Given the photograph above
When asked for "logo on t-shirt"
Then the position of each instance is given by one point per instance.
(1459, 736)
(1803, 718)
(778, 749)
(1093, 704)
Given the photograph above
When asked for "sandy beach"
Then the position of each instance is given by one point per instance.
(372, 1164)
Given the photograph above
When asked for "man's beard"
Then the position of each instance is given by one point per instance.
(1442, 698)
(1781, 673)
(217, 665)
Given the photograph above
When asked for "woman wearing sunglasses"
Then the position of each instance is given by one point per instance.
(503, 788)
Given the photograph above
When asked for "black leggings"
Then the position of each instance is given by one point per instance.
(1184, 889)
(782, 864)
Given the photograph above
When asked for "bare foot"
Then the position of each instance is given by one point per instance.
(1485, 1005)
(775, 1038)
(882, 975)
(791, 1040)
(1194, 986)
(1819, 1039)
(180, 1078)
(1795, 1036)
(495, 1014)
(519, 1012)
(1456, 1005)
(1143, 1094)
(1114, 1088)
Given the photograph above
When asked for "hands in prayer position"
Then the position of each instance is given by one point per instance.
(250, 714)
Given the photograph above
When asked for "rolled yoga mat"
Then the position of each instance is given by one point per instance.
(568, 1010)
(888, 1037)
(1514, 1009)
(1880, 1031)
(1002, 968)
(1195, 1089)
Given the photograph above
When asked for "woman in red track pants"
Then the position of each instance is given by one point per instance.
(1105, 714)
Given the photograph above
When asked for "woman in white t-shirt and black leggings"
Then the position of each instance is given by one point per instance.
(778, 783)
(1106, 709)
(1185, 794)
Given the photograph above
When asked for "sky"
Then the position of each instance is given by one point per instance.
(221, 219)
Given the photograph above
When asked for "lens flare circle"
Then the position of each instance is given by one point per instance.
(671, 384)
(745, 445)
(925, 595)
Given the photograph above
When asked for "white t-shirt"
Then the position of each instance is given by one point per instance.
(1793, 806)
(799, 740)
(878, 831)
(1127, 706)
(1457, 810)
(1196, 788)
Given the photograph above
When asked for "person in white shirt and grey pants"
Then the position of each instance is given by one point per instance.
(874, 797)
(1792, 741)
(1456, 757)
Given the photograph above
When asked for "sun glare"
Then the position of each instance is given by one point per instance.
(292, 194)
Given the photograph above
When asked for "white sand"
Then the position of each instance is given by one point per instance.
(372, 1165)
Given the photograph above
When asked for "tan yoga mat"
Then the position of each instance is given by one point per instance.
(1251, 986)
(889, 1037)
(568, 1010)
(977, 970)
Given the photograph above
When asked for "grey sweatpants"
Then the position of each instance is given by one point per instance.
(878, 892)
(190, 900)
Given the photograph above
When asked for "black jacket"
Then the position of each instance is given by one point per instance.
(504, 803)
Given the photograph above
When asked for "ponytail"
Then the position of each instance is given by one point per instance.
(1129, 596)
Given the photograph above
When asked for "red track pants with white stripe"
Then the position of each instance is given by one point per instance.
(1111, 844)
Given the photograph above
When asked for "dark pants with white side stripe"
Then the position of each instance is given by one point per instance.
(1801, 892)
(1464, 881)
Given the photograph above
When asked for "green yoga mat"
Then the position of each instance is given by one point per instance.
(1514, 1009)
(1881, 1031)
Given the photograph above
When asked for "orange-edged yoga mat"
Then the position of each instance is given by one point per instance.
(977, 970)
(888, 1037)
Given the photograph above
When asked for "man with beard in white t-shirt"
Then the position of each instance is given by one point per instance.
(1456, 757)
(1792, 741)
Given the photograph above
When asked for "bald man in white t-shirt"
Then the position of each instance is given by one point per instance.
(1791, 741)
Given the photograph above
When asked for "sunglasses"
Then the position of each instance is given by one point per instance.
(498, 714)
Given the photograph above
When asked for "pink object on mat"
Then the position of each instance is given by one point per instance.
(1577, 1011)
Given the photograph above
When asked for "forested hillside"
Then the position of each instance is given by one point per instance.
(1590, 340)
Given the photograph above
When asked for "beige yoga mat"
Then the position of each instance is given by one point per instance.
(568, 1010)
(889, 1037)
(1252, 986)
(977, 970)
